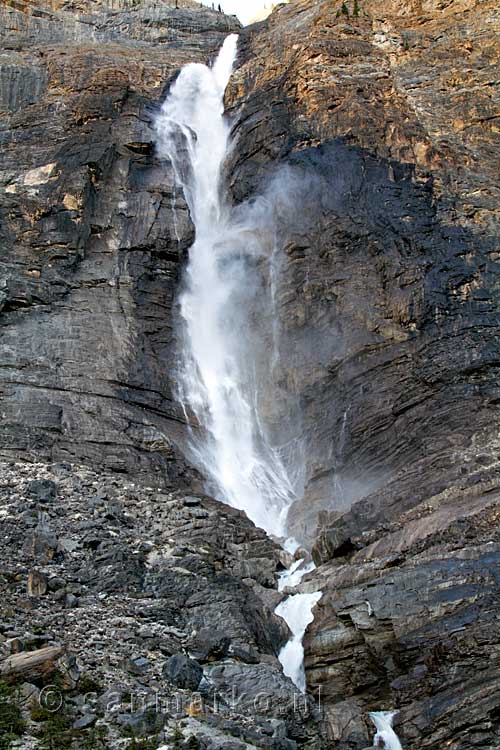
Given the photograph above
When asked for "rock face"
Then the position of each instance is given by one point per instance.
(389, 303)
(409, 620)
(387, 310)
(90, 244)
(389, 319)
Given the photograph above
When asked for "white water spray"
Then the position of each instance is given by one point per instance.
(217, 381)
(385, 737)
(297, 611)
(295, 573)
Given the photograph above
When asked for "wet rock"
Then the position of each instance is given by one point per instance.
(398, 619)
(384, 385)
(387, 308)
(383, 302)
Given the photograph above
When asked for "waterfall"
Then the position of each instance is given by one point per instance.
(295, 573)
(229, 332)
(217, 377)
(297, 611)
(385, 737)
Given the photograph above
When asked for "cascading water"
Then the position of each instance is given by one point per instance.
(216, 379)
(385, 737)
(224, 343)
(295, 573)
(297, 611)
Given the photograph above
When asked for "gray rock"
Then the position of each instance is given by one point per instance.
(43, 490)
(142, 723)
(85, 722)
(262, 689)
(137, 666)
(169, 645)
(112, 698)
(183, 672)
(246, 654)
(190, 501)
(209, 645)
(30, 694)
(55, 583)
(51, 409)
(199, 513)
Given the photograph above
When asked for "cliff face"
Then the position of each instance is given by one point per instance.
(387, 306)
(396, 292)
(397, 288)
(90, 250)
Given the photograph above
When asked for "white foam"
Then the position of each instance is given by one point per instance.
(385, 737)
(297, 611)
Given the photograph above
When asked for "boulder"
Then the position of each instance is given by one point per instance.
(208, 645)
(183, 672)
(43, 490)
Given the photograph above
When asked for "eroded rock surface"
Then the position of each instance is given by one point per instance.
(388, 303)
(409, 620)
(388, 309)
(92, 232)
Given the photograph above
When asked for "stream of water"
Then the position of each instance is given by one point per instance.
(385, 737)
(219, 300)
(222, 342)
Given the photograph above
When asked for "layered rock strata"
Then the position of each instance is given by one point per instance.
(389, 320)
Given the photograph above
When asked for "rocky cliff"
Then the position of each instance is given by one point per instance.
(387, 304)
(90, 252)
(396, 292)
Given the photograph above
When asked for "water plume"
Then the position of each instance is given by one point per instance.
(225, 304)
